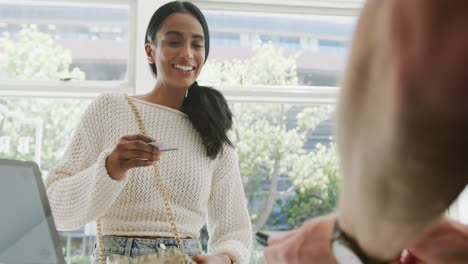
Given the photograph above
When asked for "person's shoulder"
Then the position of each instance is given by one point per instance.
(107, 101)
(106, 98)
(227, 153)
(227, 161)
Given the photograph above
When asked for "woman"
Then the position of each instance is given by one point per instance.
(107, 171)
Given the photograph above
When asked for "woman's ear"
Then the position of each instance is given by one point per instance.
(150, 54)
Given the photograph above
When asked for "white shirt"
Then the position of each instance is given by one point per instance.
(201, 190)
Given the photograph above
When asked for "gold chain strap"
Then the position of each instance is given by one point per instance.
(99, 233)
(162, 191)
(162, 188)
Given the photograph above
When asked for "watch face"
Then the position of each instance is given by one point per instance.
(344, 255)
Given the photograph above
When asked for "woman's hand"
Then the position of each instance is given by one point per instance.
(132, 151)
(212, 259)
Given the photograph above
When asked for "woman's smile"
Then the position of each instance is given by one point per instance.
(183, 69)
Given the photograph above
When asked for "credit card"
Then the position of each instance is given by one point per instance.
(162, 146)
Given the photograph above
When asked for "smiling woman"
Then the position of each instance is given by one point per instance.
(139, 212)
(177, 44)
(178, 51)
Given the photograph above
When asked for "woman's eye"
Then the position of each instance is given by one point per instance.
(173, 43)
(199, 46)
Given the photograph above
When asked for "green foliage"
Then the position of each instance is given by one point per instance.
(58, 119)
(267, 148)
(315, 176)
(269, 66)
(32, 55)
(309, 118)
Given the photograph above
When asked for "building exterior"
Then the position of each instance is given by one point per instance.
(98, 37)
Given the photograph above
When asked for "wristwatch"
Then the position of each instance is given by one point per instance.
(347, 251)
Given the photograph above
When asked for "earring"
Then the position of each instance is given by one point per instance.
(186, 93)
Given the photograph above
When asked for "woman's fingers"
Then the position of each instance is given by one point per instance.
(131, 154)
(134, 163)
(132, 151)
(141, 137)
(138, 145)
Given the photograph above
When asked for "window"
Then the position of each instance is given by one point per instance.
(57, 50)
(333, 46)
(282, 88)
(225, 39)
(292, 43)
(77, 41)
(279, 70)
(39, 130)
(312, 48)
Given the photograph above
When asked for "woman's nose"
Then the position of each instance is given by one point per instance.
(187, 52)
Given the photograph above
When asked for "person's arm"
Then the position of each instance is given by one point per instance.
(228, 220)
(444, 242)
(402, 128)
(79, 188)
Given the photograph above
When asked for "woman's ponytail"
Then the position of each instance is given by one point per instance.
(210, 115)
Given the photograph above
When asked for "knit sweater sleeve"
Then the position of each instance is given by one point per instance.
(79, 188)
(228, 220)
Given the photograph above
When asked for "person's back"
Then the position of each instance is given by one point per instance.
(403, 118)
(402, 129)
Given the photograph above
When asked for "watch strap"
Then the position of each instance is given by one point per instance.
(341, 237)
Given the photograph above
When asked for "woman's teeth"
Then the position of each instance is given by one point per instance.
(183, 67)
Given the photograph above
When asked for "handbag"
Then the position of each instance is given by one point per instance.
(177, 256)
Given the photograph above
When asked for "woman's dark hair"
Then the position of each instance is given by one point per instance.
(205, 107)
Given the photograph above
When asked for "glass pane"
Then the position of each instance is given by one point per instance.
(41, 41)
(39, 130)
(288, 163)
(276, 49)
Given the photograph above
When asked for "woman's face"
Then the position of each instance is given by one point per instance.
(179, 51)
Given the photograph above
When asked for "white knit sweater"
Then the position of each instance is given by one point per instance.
(201, 190)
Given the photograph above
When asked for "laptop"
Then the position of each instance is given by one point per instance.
(27, 229)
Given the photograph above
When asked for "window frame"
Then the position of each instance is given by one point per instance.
(73, 88)
(310, 7)
(314, 95)
(139, 77)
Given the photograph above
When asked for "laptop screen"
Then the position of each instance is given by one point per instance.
(27, 230)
